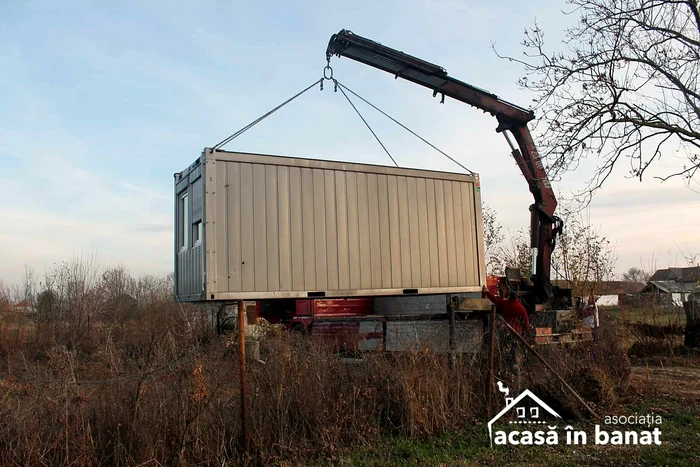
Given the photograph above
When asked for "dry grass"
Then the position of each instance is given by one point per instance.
(86, 381)
(652, 331)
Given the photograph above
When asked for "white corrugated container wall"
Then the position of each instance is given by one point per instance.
(287, 227)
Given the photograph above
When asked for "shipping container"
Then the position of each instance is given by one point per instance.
(251, 226)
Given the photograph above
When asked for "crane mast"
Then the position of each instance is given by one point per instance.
(512, 123)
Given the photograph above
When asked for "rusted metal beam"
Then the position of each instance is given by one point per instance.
(244, 403)
(452, 325)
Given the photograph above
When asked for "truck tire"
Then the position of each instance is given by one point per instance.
(299, 328)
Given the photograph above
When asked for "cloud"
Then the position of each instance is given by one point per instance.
(60, 207)
(143, 191)
(103, 102)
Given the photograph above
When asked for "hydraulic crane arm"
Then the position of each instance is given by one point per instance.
(511, 118)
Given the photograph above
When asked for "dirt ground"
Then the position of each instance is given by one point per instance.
(680, 378)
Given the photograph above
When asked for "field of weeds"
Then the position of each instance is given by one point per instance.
(90, 378)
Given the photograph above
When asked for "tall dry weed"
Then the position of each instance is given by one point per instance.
(100, 380)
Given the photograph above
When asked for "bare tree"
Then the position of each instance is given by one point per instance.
(635, 274)
(493, 238)
(25, 291)
(691, 259)
(510, 249)
(116, 282)
(625, 87)
(514, 252)
(154, 289)
(583, 256)
(47, 306)
(74, 295)
(5, 297)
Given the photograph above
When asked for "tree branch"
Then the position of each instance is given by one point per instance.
(626, 86)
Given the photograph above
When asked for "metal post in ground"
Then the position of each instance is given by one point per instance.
(492, 350)
(244, 405)
(451, 315)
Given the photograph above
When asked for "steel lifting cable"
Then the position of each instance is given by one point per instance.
(365, 122)
(343, 87)
(263, 117)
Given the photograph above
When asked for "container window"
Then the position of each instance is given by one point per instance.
(197, 233)
(185, 222)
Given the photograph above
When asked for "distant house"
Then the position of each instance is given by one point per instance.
(608, 293)
(673, 286)
(683, 275)
(23, 307)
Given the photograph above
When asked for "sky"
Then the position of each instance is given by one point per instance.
(102, 102)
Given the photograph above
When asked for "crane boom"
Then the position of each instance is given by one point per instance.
(544, 225)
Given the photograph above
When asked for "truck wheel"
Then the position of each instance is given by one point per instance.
(299, 329)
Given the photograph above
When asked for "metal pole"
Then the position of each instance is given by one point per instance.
(544, 362)
(244, 405)
(384, 346)
(451, 315)
(492, 344)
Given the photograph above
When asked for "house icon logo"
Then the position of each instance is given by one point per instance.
(528, 410)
